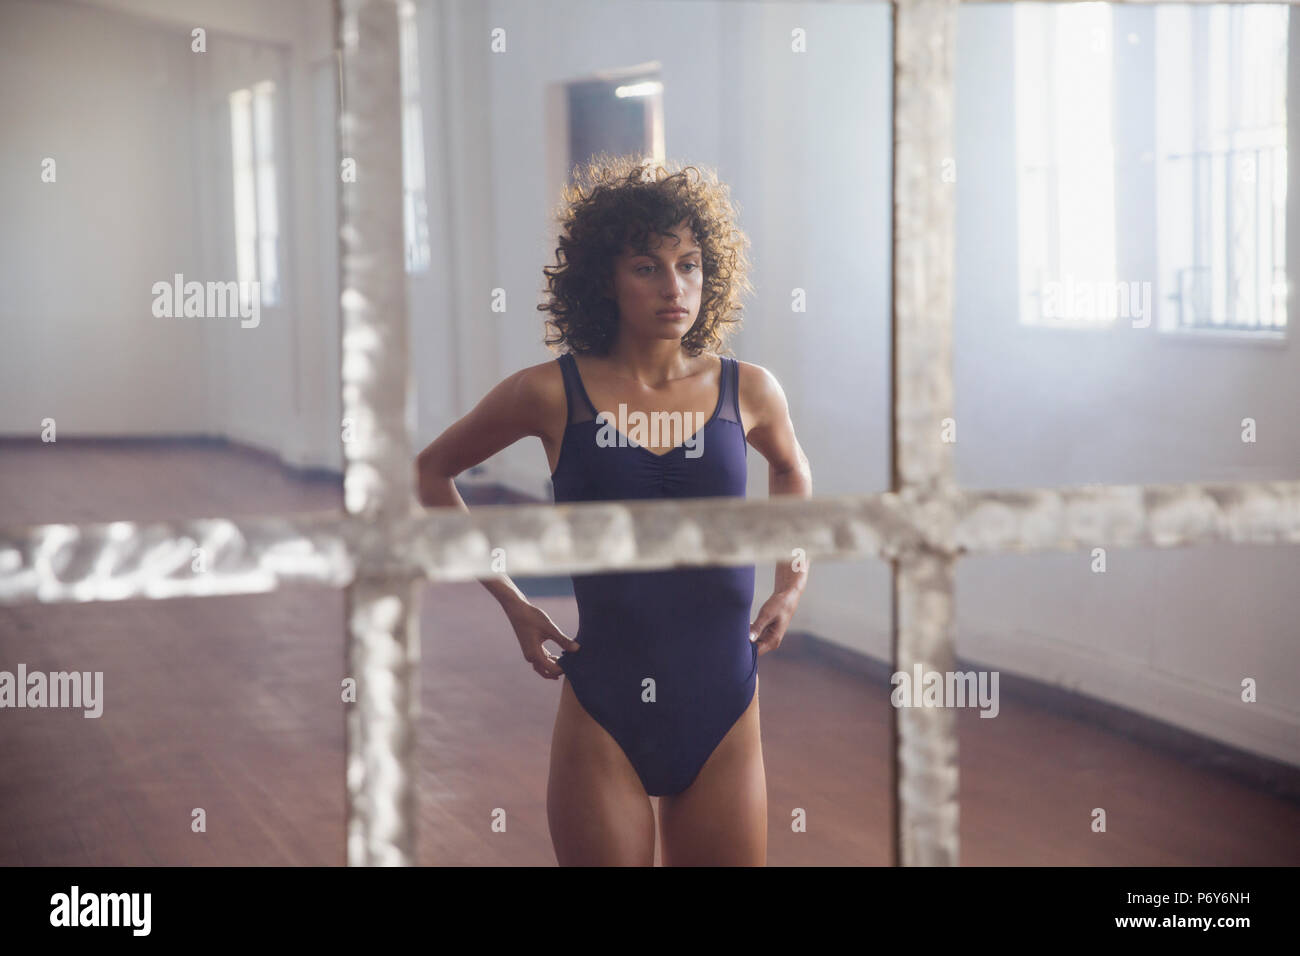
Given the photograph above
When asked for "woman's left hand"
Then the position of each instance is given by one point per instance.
(769, 627)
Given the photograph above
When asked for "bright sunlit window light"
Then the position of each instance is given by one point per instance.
(646, 88)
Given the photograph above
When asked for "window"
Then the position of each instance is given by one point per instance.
(415, 206)
(1221, 140)
(1215, 233)
(1065, 159)
(257, 225)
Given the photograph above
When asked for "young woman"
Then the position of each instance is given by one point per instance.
(660, 696)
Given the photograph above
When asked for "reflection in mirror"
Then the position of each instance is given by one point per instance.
(1121, 251)
(1133, 705)
(173, 330)
(507, 776)
(547, 312)
(1185, 168)
(168, 266)
(191, 732)
(169, 262)
(745, 91)
(1121, 267)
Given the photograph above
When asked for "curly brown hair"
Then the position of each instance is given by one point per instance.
(618, 201)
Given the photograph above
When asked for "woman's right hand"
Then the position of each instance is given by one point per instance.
(532, 628)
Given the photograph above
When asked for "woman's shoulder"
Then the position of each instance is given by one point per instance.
(761, 397)
(544, 378)
(755, 377)
(538, 388)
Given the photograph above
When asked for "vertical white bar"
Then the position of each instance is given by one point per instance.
(382, 604)
(925, 741)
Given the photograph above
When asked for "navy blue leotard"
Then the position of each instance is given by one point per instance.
(685, 629)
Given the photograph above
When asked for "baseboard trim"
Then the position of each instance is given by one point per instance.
(1254, 770)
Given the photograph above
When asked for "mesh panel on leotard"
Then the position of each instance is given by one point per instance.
(581, 409)
(730, 408)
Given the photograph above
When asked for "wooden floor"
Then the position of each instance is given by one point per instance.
(232, 705)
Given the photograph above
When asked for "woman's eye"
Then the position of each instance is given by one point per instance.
(693, 265)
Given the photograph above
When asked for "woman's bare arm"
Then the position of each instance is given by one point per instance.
(515, 408)
(771, 433)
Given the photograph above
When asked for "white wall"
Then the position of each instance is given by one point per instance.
(139, 127)
(78, 256)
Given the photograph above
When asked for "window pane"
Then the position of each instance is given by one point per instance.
(241, 156)
(415, 217)
(264, 120)
(1222, 141)
(269, 247)
(1065, 160)
(264, 144)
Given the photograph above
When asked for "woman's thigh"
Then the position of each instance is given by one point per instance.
(721, 818)
(597, 809)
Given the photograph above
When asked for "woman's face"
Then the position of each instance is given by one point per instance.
(658, 294)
